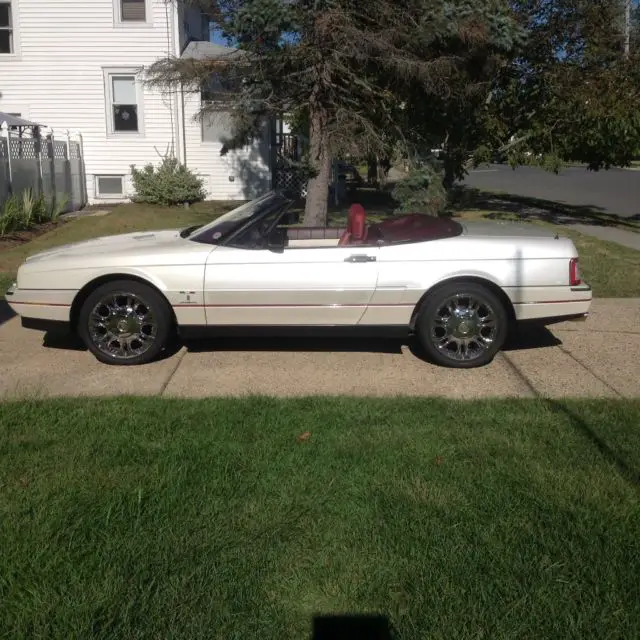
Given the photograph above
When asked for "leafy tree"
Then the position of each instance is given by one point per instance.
(359, 72)
(571, 94)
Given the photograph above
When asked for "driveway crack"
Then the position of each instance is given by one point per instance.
(179, 359)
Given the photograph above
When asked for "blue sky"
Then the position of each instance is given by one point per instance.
(216, 36)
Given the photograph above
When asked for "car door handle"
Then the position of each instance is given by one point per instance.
(360, 257)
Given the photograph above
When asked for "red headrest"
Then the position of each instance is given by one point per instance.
(357, 223)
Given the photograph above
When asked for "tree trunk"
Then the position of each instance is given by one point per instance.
(627, 28)
(449, 176)
(381, 175)
(316, 208)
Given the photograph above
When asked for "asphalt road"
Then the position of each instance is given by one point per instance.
(616, 191)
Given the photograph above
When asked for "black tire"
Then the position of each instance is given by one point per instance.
(154, 328)
(485, 335)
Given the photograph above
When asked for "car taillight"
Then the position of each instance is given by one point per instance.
(575, 278)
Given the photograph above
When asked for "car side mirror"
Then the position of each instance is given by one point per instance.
(277, 240)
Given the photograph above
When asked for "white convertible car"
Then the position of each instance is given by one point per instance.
(459, 287)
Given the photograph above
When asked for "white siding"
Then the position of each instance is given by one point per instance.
(57, 79)
(238, 175)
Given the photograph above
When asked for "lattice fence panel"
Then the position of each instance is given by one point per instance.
(290, 180)
(24, 148)
(59, 150)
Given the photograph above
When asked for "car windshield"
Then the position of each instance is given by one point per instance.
(230, 220)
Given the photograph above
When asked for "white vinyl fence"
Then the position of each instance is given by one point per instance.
(49, 165)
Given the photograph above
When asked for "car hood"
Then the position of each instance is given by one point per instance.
(505, 229)
(137, 241)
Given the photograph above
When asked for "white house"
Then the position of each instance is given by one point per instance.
(77, 65)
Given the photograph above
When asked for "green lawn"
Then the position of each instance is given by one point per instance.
(143, 518)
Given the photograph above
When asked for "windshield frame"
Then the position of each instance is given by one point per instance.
(234, 222)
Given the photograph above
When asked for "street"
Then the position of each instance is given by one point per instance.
(616, 191)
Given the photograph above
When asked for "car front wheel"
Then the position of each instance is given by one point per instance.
(125, 323)
(462, 325)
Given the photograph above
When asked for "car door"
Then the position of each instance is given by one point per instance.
(297, 286)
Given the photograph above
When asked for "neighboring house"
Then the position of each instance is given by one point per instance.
(77, 65)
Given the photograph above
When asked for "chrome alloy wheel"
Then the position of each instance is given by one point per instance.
(122, 325)
(464, 327)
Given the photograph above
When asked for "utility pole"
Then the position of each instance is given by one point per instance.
(627, 28)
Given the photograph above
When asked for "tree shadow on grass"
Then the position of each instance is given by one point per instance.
(498, 206)
(588, 431)
(630, 473)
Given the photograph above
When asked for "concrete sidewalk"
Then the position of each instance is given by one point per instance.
(610, 234)
(597, 358)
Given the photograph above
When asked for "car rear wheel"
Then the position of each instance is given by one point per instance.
(125, 323)
(462, 325)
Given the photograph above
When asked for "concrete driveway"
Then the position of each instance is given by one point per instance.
(616, 191)
(597, 358)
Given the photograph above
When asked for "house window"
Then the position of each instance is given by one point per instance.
(133, 10)
(124, 101)
(109, 186)
(6, 28)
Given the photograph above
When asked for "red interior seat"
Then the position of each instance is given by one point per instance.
(356, 232)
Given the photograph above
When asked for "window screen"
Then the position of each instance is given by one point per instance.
(109, 185)
(133, 10)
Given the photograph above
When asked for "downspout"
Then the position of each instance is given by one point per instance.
(178, 105)
(183, 125)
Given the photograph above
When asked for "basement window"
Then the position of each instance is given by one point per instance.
(110, 186)
(133, 10)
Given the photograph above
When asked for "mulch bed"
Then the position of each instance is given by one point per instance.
(21, 236)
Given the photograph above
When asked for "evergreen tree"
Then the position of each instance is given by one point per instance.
(362, 73)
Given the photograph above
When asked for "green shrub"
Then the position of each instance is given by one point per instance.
(10, 215)
(23, 211)
(168, 184)
(421, 191)
(28, 208)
